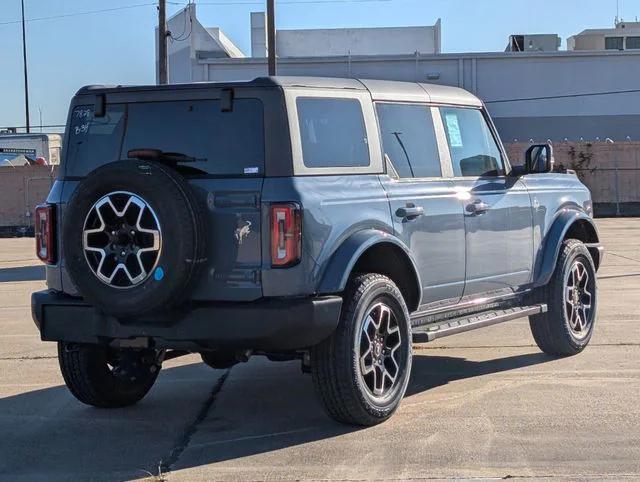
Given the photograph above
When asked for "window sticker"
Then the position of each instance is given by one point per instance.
(455, 136)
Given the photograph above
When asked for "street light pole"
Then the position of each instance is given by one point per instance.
(271, 36)
(26, 77)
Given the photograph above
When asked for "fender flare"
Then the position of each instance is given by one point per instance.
(552, 242)
(337, 270)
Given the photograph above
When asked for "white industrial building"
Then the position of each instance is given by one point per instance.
(625, 36)
(538, 93)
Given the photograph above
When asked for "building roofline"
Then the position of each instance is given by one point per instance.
(404, 57)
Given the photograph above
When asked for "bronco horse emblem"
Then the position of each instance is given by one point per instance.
(242, 232)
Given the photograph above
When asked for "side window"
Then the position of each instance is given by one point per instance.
(332, 132)
(409, 139)
(474, 151)
(93, 141)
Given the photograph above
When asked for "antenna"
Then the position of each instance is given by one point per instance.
(617, 12)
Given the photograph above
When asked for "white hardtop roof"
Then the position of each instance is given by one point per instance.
(388, 90)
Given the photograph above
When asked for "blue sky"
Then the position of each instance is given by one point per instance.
(118, 47)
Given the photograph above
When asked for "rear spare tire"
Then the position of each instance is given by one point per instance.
(133, 238)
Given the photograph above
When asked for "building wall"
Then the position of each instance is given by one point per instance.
(594, 39)
(356, 41)
(587, 42)
(610, 171)
(540, 96)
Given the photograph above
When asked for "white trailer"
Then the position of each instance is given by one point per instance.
(28, 149)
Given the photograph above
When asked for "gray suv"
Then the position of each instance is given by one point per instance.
(334, 221)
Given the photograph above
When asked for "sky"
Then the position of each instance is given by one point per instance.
(117, 47)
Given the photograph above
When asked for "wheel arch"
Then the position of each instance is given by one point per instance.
(569, 224)
(373, 251)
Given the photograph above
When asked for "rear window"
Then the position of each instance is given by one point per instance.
(222, 143)
(332, 132)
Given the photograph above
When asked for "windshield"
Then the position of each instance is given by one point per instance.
(217, 142)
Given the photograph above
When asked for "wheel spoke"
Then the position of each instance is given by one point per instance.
(578, 318)
(568, 293)
(378, 381)
(571, 315)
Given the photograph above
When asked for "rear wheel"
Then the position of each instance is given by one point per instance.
(105, 377)
(362, 370)
(571, 295)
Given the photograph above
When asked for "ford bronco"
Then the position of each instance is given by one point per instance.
(334, 221)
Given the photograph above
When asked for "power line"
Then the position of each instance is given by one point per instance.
(565, 96)
(88, 12)
(221, 3)
(291, 2)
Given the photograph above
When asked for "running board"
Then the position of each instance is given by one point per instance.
(480, 320)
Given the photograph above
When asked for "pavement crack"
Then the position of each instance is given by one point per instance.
(623, 257)
(166, 463)
(35, 357)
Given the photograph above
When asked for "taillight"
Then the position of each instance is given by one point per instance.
(45, 249)
(286, 234)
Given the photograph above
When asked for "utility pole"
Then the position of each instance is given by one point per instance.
(271, 36)
(26, 77)
(162, 41)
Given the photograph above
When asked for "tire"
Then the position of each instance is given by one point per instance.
(565, 329)
(153, 204)
(106, 378)
(343, 380)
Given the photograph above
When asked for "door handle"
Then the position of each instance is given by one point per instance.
(478, 207)
(410, 212)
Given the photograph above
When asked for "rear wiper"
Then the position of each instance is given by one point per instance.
(145, 154)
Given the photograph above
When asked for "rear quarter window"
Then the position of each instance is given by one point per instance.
(332, 132)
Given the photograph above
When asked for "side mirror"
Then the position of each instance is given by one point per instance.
(539, 159)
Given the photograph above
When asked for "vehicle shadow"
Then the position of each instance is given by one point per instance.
(22, 273)
(261, 408)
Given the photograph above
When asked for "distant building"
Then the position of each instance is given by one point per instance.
(536, 93)
(345, 41)
(625, 36)
(534, 43)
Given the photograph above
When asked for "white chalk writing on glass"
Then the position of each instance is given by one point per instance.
(82, 129)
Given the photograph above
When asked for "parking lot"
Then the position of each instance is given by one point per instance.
(486, 404)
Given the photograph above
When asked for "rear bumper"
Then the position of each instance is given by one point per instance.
(271, 324)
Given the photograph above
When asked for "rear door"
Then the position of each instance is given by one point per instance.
(497, 208)
(426, 213)
(227, 147)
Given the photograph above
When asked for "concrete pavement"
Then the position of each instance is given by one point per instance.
(486, 404)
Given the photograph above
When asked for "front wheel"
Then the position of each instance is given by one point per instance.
(362, 370)
(571, 296)
(105, 377)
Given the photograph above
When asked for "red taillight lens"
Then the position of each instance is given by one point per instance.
(45, 249)
(286, 234)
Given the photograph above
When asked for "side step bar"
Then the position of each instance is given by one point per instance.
(480, 320)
